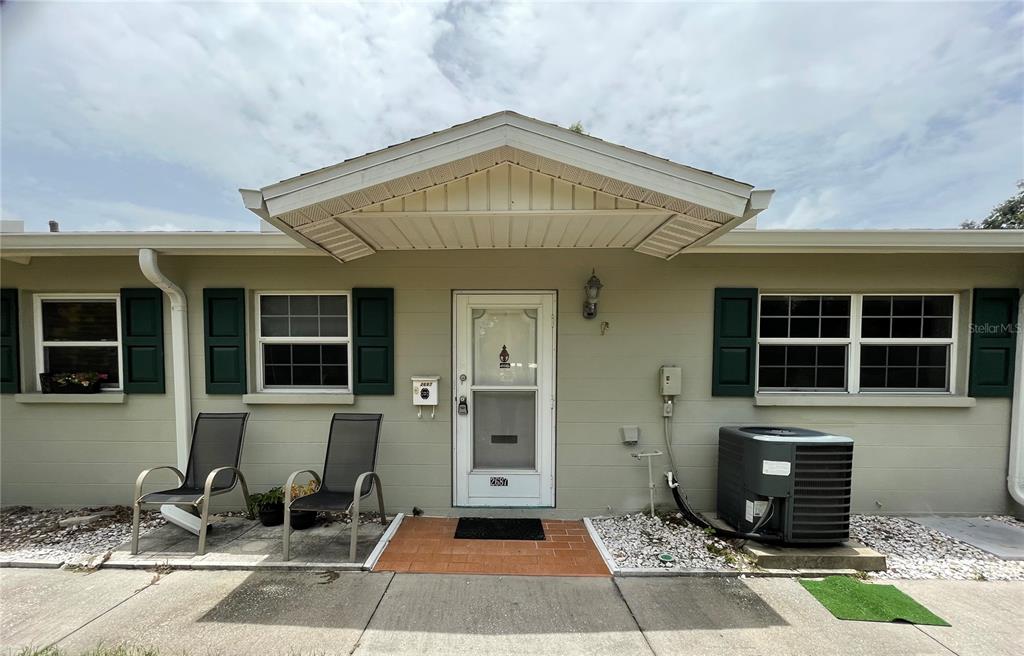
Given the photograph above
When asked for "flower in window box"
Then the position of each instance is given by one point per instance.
(79, 382)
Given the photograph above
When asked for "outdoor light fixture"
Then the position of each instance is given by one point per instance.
(592, 289)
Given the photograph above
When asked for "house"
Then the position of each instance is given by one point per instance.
(463, 255)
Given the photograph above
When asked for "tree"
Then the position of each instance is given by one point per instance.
(577, 127)
(1006, 215)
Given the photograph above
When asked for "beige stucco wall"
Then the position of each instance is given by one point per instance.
(907, 459)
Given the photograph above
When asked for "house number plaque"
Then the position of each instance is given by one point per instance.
(499, 481)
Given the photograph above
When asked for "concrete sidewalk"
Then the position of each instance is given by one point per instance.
(203, 613)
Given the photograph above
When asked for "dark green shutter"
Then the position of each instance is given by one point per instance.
(735, 342)
(224, 345)
(373, 341)
(142, 340)
(993, 342)
(10, 372)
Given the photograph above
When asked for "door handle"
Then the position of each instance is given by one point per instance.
(463, 406)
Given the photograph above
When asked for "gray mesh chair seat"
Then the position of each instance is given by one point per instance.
(324, 501)
(212, 469)
(349, 473)
(179, 495)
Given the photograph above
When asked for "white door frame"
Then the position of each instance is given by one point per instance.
(535, 488)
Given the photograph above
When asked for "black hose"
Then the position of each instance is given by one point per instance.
(694, 518)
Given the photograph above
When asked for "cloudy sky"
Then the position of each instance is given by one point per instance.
(151, 116)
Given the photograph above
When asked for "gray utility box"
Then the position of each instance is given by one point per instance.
(808, 473)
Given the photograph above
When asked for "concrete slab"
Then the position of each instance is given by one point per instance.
(458, 614)
(985, 615)
(849, 555)
(993, 536)
(230, 613)
(42, 606)
(755, 616)
(240, 541)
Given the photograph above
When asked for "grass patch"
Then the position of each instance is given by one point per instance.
(849, 599)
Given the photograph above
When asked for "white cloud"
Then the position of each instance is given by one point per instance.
(859, 114)
(812, 212)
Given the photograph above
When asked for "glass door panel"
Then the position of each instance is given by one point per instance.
(504, 347)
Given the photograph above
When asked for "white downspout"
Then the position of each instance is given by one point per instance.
(182, 383)
(1015, 470)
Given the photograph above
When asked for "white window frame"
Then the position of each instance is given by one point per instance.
(261, 340)
(855, 341)
(40, 345)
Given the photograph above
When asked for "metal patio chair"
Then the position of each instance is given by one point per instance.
(350, 465)
(212, 469)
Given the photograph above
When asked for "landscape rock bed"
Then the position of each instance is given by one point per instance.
(915, 551)
(637, 540)
(37, 534)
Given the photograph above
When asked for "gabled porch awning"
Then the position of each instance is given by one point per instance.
(506, 181)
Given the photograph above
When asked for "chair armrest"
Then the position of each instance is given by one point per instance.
(291, 481)
(208, 487)
(357, 489)
(142, 478)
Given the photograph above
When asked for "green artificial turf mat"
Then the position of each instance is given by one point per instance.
(849, 599)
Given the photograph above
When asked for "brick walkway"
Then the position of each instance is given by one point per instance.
(427, 545)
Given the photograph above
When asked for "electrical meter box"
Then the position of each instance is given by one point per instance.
(671, 381)
(424, 390)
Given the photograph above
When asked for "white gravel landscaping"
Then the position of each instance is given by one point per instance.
(637, 541)
(915, 551)
(38, 534)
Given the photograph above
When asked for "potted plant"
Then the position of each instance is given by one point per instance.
(302, 519)
(269, 506)
(78, 382)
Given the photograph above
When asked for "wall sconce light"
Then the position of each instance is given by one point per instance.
(592, 289)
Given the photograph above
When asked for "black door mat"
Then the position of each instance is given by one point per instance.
(480, 528)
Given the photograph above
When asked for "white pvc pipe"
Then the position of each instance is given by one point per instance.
(1015, 468)
(182, 383)
(179, 352)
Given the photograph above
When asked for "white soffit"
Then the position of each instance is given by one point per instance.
(505, 181)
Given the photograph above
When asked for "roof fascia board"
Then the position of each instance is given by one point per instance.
(383, 156)
(758, 202)
(128, 243)
(31, 244)
(518, 131)
(346, 182)
(254, 202)
(867, 241)
(630, 155)
(729, 202)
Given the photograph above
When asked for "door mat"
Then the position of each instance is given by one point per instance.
(849, 599)
(479, 528)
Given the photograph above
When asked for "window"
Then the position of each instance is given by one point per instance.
(303, 341)
(804, 342)
(856, 343)
(79, 333)
(906, 342)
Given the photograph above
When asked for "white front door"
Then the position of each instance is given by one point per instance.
(503, 399)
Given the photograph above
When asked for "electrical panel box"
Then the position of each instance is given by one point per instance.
(630, 434)
(671, 381)
(424, 390)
